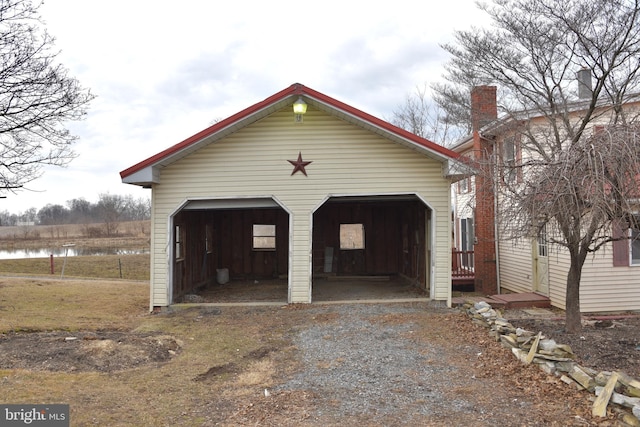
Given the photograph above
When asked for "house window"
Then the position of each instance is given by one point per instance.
(509, 156)
(626, 246)
(464, 186)
(466, 234)
(543, 242)
(264, 237)
(351, 236)
(467, 240)
(179, 240)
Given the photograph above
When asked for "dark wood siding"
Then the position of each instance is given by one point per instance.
(231, 247)
(394, 235)
(394, 238)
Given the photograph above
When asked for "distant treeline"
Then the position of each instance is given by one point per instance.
(109, 209)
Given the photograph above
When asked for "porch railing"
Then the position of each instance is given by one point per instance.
(462, 264)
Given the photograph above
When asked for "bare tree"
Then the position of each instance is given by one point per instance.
(7, 218)
(423, 117)
(53, 214)
(453, 99)
(79, 210)
(37, 96)
(575, 181)
(109, 209)
(138, 209)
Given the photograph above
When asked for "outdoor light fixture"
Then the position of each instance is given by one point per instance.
(299, 108)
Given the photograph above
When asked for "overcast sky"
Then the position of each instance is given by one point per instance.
(164, 70)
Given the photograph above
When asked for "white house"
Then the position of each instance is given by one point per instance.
(610, 277)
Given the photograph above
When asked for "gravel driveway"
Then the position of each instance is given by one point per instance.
(415, 364)
(360, 367)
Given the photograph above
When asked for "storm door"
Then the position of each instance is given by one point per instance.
(540, 253)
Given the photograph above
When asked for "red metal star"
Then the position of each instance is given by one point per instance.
(299, 165)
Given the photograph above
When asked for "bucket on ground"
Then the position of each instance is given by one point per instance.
(222, 275)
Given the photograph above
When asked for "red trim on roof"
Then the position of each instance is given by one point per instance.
(295, 89)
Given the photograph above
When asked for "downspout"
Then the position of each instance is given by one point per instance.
(495, 223)
(495, 233)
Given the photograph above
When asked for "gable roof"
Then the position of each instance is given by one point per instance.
(146, 172)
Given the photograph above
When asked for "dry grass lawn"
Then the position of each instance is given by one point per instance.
(46, 304)
(130, 267)
(222, 366)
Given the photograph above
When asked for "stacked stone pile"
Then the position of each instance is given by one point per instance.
(558, 359)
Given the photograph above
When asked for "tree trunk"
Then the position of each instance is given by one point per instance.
(573, 321)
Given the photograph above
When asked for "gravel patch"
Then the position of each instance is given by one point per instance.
(358, 364)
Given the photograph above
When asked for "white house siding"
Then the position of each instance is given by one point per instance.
(558, 270)
(158, 267)
(603, 287)
(608, 288)
(464, 204)
(516, 270)
(346, 161)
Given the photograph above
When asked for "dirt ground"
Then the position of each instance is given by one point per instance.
(606, 343)
(324, 290)
(603, 345)
(101, 351)
(477, 368)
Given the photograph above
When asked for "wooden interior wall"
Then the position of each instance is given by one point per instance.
(394, 238)
(414, 244)
(232, 247)
(197, 266)
(394, 242)
(235, 250)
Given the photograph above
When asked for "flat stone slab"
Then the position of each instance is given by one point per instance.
(455, 301)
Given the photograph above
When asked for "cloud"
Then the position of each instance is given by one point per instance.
(163, 70)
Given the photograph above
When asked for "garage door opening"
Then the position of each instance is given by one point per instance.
(230, 251)
(371, 248)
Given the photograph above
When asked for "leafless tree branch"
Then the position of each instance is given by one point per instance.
(37, 98)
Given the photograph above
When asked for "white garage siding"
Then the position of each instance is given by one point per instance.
(347, 160)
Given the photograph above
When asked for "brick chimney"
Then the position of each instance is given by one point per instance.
(484, 110)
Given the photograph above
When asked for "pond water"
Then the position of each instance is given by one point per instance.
(71, 251)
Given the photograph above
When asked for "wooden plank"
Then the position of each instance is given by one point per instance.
(533, 349)
(600, 405)
(621, 399)
(633, 385)
(582, 378)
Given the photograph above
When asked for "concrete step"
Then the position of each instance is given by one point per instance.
(508, 301)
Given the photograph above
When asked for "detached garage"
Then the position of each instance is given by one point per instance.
(326, 191)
